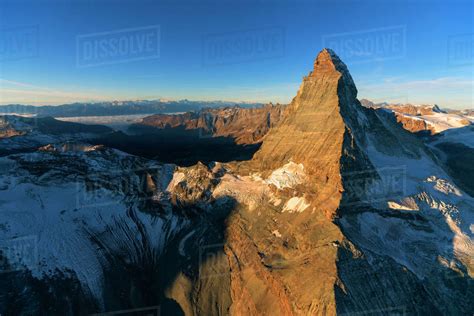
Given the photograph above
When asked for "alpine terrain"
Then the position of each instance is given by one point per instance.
(343, 209)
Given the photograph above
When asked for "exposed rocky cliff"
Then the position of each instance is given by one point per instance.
(245, 125)
(312, 226)
(429, 119)
(340, 211)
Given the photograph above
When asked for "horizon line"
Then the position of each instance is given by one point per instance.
(376, 101)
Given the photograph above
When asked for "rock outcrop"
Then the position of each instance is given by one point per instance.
(340, 211)
(414, 124)
(245, 125)
(313, 130)
(7, 129)
(281, 241)
(292, 238)
(429, 119)
(410, 109)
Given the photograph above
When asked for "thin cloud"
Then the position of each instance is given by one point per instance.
(20, 92)
(19, 84)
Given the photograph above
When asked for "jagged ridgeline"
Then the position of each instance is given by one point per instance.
(340, 211)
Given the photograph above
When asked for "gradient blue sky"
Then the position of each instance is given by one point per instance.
(424, 73)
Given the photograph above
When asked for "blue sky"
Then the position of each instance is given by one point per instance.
(399, 51)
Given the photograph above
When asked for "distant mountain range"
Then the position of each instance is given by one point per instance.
(326, 206)
(117, 108)
(425, 118)
(414, 109)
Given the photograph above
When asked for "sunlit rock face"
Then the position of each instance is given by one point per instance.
(359, 226)
(340, 211)
(280, 241)
(245, 126)
(312, 132)
(424, 119)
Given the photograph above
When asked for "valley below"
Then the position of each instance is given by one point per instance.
(324, 206)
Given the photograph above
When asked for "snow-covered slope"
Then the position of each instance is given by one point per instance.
(416, 118)
(463, 135)
(341, 211)
(20, 134)
(407, 208)
(78, 208)
(443, 121)
(427, 190)
(438, 122)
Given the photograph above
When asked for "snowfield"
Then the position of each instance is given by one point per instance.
(62, 212)
(446, 213)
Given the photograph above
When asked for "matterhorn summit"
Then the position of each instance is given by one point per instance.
(339, 211)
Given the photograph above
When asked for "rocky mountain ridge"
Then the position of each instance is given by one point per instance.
(26, 134)
(116, 108)
(348, 174)
(341, 210)
(245, 125)
(424, 118)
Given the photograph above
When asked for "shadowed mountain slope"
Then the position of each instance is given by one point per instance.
(340, 211)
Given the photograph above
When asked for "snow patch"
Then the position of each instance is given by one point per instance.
(245, 190)
(395, 206)
(444, 121)
(441, 122)
(295, 204)
(287, 176)
(444, 186)
(276, 233)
